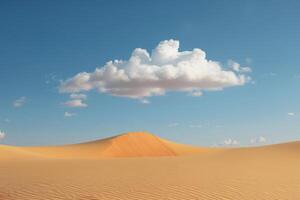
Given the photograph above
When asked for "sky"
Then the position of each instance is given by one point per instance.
(210, 73)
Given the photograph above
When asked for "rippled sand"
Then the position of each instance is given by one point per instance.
(141, 166)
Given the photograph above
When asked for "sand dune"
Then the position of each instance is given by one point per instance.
(134, 144)
(150, 168)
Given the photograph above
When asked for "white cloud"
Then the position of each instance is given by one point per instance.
(230, 142)
(75, 103)
(19, 102)
(68, 114)
(258, 140)
(2, 135)
(237, 67)
(76, 100)
(165, 69)
(78, 96)
(262, 139)
(196, 93)
(144, 101)
(291, 114)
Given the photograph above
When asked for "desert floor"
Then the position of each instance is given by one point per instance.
(149, 168)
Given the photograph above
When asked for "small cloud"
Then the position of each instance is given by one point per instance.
(68, 114)
(291, 114)
(19, 102)
(230, 142)
(258, 140)
(2, 135)
(7, 120)
(76, 103)
(262, 139)
(78, 96)
(237, 67)
(76, 100)
(196, 93)
(173, 124)
(144, 101)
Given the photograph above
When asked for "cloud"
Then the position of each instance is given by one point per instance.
(2, 135)
(237, 67)
(262, 139)
(19, 102)
(230, 142)
(78, 96)
(173, 125)
(144, 101)
(258, 140)
(75, 103)
(291, 114)
(165, 69)
(76, 100)
(196, 93)
(68, 114)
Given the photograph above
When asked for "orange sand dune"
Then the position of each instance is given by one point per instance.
(150, 168)
(136, 144)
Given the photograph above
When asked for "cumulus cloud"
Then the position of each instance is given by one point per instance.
(69, 114)
(258, 140)
(19, 102)
(165, 69)
(2, 135)
(230, 142)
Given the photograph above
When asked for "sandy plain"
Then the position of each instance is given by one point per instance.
(141, 166)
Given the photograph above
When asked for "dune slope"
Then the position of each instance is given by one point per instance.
(153, 169)
(134, 144)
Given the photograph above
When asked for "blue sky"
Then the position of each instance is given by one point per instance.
(46, 42)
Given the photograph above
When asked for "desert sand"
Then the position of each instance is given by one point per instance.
(142, 166)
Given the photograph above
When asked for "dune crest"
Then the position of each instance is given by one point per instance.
(132, 144)
(138, 144)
